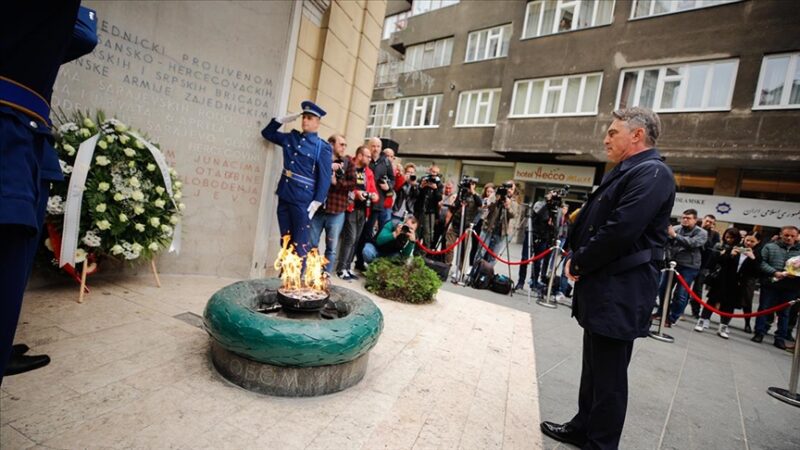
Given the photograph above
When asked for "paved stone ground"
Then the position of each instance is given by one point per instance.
(126, 373)
(701, 392)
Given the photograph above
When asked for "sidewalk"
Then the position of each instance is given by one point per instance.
(131, 370)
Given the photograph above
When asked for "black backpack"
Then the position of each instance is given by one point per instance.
(501, 284)
(483, 273)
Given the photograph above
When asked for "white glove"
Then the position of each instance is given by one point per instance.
(312, 208)
(287, 119)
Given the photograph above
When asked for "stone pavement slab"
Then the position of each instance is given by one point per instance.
(126, 373)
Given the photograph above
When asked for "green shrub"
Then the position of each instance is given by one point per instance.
(397, 279)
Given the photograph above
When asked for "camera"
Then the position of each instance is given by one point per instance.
(467, 181)
(412, 177)
(432, 179)
(557, 197)
(502, 190)
(384, 179)
(405, 229)
(339, 173)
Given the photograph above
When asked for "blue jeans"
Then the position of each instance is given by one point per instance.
(772, 297)
(371, 253)
(332, 224)
(681, 296)
(495, 242)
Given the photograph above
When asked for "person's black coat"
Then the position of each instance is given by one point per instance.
(619, 232)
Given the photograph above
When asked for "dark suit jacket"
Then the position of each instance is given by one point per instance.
(625, 218)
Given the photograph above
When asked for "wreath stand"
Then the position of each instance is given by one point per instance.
(91, 267)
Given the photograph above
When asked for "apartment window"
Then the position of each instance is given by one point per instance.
(379, 120)
(395, 23)
(488, 44)
(560, 96)
(418, 112)
(478, 108)
(701, 86)
(423, 6)
(429, 55)
(779, 82)
(647, 8)
(544, 17)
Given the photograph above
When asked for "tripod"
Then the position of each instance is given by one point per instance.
(552, 266)
(502, 218)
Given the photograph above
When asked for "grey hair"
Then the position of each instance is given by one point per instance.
(637, 117)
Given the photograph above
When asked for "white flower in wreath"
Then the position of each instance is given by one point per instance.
(151, 167)
(139, 227)
(55, 205)
(103, 224)
(160, 190)
(124, 139)
(84, 132)
(131, 164)
(174, 220)
(102, 144)
(155, 222)
(103, 186)
(153, 246)
(138, 209)
(182, 206)
(102, 160)
(110, 138)
(134, 182)
(120, 127)
(87, 122)
(178, 185)
(101, 207)
(172, 172)
(139, 144)
(66, 169)
(91, 239)
(67, 127)
(119, 197)
(136, 247)
(117, 249)
(69, 149)
(137, 195)
(80, 255)
(177, 195)
(129, 152)
(166, 229)
(122, 217)
(160, 203)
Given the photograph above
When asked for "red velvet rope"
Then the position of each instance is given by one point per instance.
(725, 314)
(447, 250)
(512, 263)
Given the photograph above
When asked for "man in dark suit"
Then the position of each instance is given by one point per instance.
(617, 247)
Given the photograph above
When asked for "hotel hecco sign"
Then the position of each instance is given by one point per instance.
(553, 174)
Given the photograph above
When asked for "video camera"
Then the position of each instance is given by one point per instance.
(502, 191)
(557, 198)
(432, 179)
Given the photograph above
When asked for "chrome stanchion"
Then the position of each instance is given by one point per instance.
(665, 304)
(790, 395)
(547, 301)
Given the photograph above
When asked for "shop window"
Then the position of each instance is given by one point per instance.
(700, 86)
(779, 82)
(576, 95)
(478, 108)
(543, 17)
(649, 8)
(488, 44)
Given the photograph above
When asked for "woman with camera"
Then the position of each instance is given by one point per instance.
(725, 283)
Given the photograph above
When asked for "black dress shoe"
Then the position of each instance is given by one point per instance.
(19, 349)
(779, 344)
(25, 363)
(563, 433)
(758, 337)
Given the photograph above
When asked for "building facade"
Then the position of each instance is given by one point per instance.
(525, 89)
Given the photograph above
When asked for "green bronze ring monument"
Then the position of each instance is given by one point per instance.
(263, 344)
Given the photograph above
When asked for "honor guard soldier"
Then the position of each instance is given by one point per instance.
(35, 39)
(306, 174)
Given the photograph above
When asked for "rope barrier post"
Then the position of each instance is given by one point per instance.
(547, 301)
(790, 395)
(665, 303)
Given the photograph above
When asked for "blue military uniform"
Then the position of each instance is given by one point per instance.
(305, 178)
(35, 39)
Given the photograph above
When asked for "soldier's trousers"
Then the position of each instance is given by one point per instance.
(293, 220)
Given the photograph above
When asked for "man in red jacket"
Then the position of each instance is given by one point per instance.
(360, 199)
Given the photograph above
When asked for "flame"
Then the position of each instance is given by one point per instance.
(290, 264)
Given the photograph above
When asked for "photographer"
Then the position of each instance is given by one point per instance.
(499, 215)
(406, 195)
(359, 200)
(471, 201)
(383, 172)
(331, 216)
(544, 217)
(427, 206)
(393, 240)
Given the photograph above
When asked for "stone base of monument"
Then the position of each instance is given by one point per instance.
(287, 381)
(267, 346)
